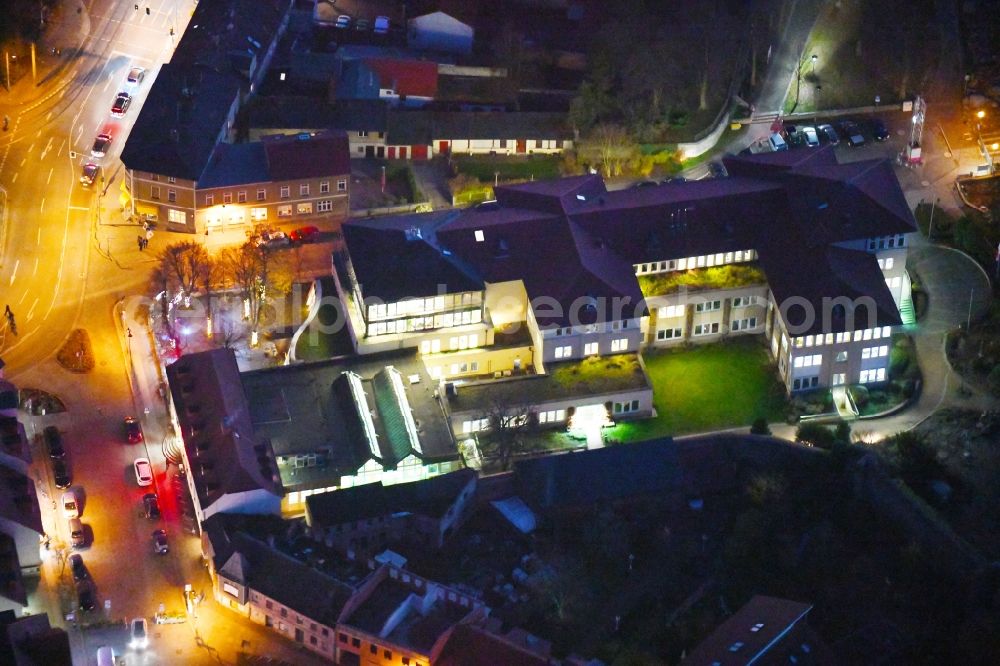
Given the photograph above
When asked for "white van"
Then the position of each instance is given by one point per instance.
(105, 656)
(777, 142)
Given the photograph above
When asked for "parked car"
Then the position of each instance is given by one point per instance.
(361, 25)
(53, 440)
(853, 133)
(777, 142)
(60, 474)
(304, 235)
(160, 545)
(78, 568)
(89, 174)
(675, 179)
(122, 101)
(69, 505)
(133, 431)
(135, 76)
(812, 139)
(828, 134)
(138, 633)
(717, 170)
(143, 472)
(343, 22)
(77, 537)
(381, 25)
(879, 130)
(645, 183)
(273, 239)
(85, 595)
(101, 145)
(151, 506)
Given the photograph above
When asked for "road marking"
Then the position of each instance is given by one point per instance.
(79, 133)
(31, 148)
(23, 161)
(38, 240)
(110, 79)
(39, 134)
(48, 147)
(14, 179)
(49, 179)
(24, 295)
(78, 208)
(41, 208)
(34, 272)
(13, 273)
(61, 146)
(31, 311)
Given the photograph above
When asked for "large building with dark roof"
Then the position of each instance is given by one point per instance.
(794, 246)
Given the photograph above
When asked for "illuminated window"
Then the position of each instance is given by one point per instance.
(177, 216)
(668, 311)
(564, 352)
(619, 345)
(171, 179)
(285, 211)
(304, 208)
(480, 237)
(342, 185)
(258, 214)
(590, 349)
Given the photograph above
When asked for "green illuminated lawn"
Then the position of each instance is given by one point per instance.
(708, 387)
(729, 276)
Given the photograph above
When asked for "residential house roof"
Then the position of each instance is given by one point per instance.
(288, 581)
(430, 497)
(422, 126)
(766, 630)
(32, 641)
(470, 645)
(402, 258)
(11, 582)
(307, 155)
(13, 441)
(225, 454)
(235, 164)
(598, 475)
(9, 395)
(461, 10)
(183, 117)
(412, 78)
(228, 35)
(306, 113)
(18, 500)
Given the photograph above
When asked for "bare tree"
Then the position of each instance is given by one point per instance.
(244, 266)
(211, 275)
(509, 423)
(611, 147)
(184, 263)
(159, 282)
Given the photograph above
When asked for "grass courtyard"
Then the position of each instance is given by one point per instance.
(708, 387)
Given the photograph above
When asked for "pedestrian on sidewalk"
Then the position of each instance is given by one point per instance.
(139, 241)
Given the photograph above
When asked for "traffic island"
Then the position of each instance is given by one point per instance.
(76, 354)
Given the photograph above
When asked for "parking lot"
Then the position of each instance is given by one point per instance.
(892, 127)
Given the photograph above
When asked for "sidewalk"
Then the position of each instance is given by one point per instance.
(67, 27)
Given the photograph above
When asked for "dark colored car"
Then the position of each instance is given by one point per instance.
(645, 183)
(53, 440)
(717, 170)
(853, 133)
(60, 473)
(828, 134)
(879, 130)
(122, 102)
(85, 596)
(151, 505)
(675, 179)
(78, 568)
(101, 145)
(133, 431)
(89, 173)
(304, 234)
(160, 544)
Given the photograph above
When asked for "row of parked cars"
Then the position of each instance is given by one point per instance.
(102, 142)
(850, 131)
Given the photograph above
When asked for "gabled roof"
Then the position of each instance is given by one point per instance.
(181, 121)
(280, 112)
(598, 475)
(754, 635)
(218, 435)
(431, 497)
(402, 260)
(227, 34)
(307, 155)
(469, 645)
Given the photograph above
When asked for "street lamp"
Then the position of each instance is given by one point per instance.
(814, 58)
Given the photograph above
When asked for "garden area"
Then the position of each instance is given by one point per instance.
(708, 387)
(473, 176)
(729, 276)
(366, 185)
(327, 335)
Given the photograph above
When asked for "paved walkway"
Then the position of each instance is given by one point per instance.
(432, 179)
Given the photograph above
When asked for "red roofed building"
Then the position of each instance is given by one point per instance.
(411, 82)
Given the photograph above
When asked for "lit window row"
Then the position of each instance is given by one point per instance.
(417, 306)
(552, 416)
(846, 336)
(703, 261)
(875, 352)
(873, 375)
(887, 242)
(411, 324)
(886, 264)
(808, 361)
(591, 348)
(475, 425)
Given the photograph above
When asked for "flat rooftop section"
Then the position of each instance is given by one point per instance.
(297, 409)
(413, 630)
(594, 376)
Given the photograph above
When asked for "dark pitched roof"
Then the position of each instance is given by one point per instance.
(598, 475)
(469, 645)
(226, 34)
(235, 164)
(18, 500)
(301, 112)
(181, 121)
(430, 497)
(418, 268)
(274, 574)
(216, 428)
(753, 635)
(462, 10)
(11, 582)
(417, 127)
(307, 155)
